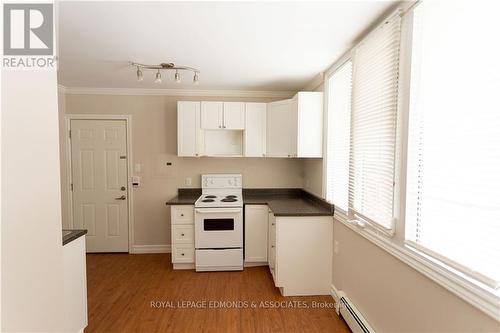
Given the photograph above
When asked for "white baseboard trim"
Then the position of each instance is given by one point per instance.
(334, 292)
(140, 249)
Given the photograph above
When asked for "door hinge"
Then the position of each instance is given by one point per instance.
(71, 186)
(70, 134)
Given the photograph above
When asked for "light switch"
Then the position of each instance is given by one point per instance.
(188, 181)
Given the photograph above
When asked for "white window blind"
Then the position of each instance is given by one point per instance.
(453, 182)
(373, 126)
(338, 136)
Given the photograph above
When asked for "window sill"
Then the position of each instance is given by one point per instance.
(483, 298)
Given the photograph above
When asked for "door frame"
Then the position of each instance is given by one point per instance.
(69, 176)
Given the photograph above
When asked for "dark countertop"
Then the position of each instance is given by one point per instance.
(284, 205)
(282, 202)
(71, 235)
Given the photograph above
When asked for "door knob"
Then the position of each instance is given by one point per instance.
(121, 198)
(123, 188)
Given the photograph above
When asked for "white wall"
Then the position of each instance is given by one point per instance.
(32, 259)
(154, 142)
(394, 297)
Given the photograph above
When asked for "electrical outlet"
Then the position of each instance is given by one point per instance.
(188, 181)
(336, 247)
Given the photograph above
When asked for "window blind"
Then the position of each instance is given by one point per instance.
(453, 181)
(373, 125)
(338, 136)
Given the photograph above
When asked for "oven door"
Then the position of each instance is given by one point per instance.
(217, 228)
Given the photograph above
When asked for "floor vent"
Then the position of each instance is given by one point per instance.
(353, 318)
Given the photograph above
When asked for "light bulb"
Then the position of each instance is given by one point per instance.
(158, 77)
(177, 77)
(139, 74)
(196, 79)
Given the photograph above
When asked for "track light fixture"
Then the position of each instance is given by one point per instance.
(158, 77)
(166, 66)
(139, 74)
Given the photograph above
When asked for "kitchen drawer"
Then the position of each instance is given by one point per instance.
(183, 253)
(182, 214)
(182, 234)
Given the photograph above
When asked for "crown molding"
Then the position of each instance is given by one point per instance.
(174, 92)
(315, 83)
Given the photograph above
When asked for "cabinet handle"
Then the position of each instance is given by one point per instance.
(182, 214)
(182, 254)
(272, 246)
(182, 235)
(272, 223)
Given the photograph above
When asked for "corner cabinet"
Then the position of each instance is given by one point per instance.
(300, 254)
(295, 126)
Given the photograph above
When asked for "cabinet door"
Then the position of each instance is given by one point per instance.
(211, 115)
(255, 129)
(271, 250)
(282, 129)
(256, 226)
(310, 124)
(188, 128)
(234, 115)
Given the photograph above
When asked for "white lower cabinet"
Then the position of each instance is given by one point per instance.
(300, 254)
(75, 286)
(182, 221)
(256, 234)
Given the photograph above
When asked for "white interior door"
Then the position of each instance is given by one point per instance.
(99, 176)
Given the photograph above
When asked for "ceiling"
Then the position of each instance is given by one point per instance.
(264, 46)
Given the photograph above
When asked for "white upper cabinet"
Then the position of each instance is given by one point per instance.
(309, 108)
(188, 128)
(212, 115)
(233, 116)
(255, 129)
(223, 115)
(281, 129)
(295, 126)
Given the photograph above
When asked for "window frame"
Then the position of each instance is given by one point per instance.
(470, 290)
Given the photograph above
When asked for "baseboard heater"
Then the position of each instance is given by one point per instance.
(352, 316)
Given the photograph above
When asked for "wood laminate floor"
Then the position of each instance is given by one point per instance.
(121, 288)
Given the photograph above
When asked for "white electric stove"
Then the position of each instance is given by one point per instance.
(219, 223)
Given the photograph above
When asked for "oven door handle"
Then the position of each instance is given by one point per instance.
(217, 211)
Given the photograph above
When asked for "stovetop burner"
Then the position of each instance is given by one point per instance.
(208, 200)
(226, 199)
(231, 196)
